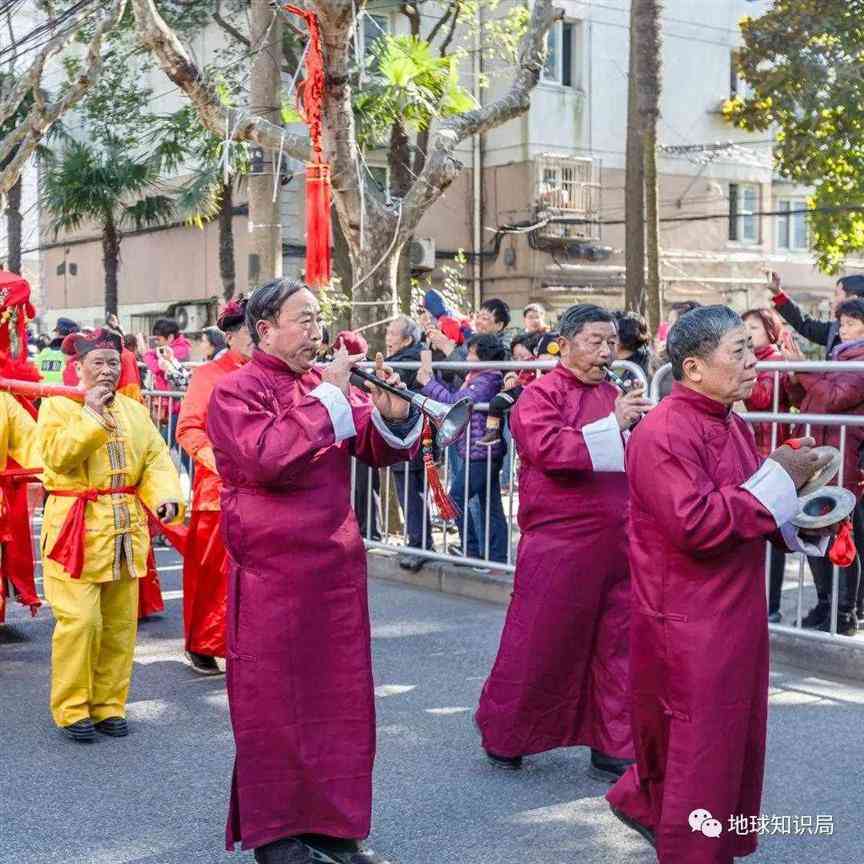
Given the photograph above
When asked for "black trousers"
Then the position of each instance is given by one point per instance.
(775, 579)
(369, 519)
(850, 577)
(410, 492)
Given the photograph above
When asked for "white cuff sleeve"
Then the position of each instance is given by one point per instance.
(393, 440)
(793, 540)
(773, 488)
(605, 444)
(339, 409)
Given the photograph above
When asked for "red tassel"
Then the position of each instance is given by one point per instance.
(843, 551)
(318, 204)
(310, 101)
(441, 503)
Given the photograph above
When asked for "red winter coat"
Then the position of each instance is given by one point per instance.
(836, 393)
(762, 399)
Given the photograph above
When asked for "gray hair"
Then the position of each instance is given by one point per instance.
(266, 302)
(697, 333)
(409, 328)
(576, 317)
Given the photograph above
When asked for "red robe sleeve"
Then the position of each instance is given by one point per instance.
(698, 515)
(254, 441)
(192, 420)
(553, 446)
(376, 443)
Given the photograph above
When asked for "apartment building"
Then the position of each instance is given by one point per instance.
(546, 221)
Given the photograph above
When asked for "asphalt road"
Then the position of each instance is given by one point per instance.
(159, 796)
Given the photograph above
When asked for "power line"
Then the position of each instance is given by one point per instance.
(709, 217)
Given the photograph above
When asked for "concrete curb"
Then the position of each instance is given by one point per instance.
(843, 658)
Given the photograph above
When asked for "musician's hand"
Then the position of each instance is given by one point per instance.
(167, 512)
(425, 373)
(800, 463)
(389, 406)
(98, 397)
(338, 371)
(630, 406)
(814, 535)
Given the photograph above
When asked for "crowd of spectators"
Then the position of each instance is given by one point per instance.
(479, 465)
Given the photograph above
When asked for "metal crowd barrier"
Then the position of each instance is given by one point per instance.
(469, 511)
(378, 516)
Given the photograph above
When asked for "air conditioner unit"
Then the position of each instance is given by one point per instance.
(192, 317)
(421, 254)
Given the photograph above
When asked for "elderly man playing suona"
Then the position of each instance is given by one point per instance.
(702, 503)
(560, 678)
(105, 466)
(205, 563)
(299, 662)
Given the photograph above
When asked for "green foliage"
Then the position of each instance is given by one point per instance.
(804, 60)
(106, 186)
(411, 85)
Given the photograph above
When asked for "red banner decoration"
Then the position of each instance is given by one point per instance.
(319, 197)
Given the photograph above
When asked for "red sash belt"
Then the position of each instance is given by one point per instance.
(68, 548)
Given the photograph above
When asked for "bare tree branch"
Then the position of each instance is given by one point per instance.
(448, 39)
(442, 21)
(32, 78)
(238, 123)
(442, 167)
(230, 29)
(28, 134)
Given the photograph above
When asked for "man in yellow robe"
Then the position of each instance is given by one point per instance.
(18, 442)
(104, 463)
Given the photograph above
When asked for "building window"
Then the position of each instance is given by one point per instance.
(371, 28)
(738, 87)
(743, 207)
(562, 49)
(792, 230)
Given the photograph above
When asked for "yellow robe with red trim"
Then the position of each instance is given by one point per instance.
(80, 451)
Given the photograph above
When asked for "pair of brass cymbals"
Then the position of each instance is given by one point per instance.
(821, 505)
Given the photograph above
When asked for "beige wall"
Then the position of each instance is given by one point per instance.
(160, 267)
(698, 259)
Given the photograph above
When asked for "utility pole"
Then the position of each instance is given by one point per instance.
(265, 98)
(634, 186)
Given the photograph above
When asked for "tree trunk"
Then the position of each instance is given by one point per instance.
(14, 222)
(652, 232)
(634, 184)
(375, 296)
(227, 269)
(265, 93)
(648, 86)
(111, 238)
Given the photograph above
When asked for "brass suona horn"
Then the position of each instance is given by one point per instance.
(449, 420)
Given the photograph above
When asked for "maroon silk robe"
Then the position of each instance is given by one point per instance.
(299, 671)
(700, 512)
(560, 678)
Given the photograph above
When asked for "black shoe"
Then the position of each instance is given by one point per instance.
(203, 664)
(291, 850)
(81, 730)
(609, 769)
(644, 830)
(116, 727)
(816, 617)
(775, 617)
(847, 624)
(414, 563)
(508, 763)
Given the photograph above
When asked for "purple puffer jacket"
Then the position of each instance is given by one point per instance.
(479, 387)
